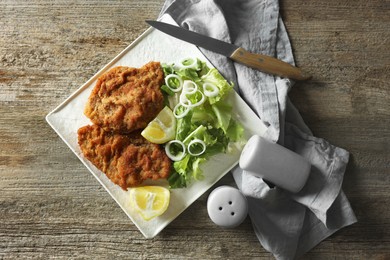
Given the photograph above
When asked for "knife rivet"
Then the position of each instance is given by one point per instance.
(260, 60)
(241, 53)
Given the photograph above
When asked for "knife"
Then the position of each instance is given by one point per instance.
(238, 54)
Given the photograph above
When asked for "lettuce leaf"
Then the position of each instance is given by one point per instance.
(183, 126)
(214, 77)
(235, 131)
(203, 115)
(194, 73)
(210, 122)
(223, 112)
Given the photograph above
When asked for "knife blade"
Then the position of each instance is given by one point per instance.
(238, 54)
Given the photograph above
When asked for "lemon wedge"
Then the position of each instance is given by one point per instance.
(150, 201)
(161, 129)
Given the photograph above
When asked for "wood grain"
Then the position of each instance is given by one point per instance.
(52, 207)
(268, 64)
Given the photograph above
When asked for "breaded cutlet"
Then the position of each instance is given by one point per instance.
(125, 99)
(127, 160)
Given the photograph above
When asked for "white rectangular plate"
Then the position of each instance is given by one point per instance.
(152, 45)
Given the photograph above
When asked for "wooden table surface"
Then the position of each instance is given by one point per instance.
(51, 206)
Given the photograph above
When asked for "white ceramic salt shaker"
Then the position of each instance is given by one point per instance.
(275, 163)
(227, 206)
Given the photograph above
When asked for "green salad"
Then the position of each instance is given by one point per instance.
(197, 95)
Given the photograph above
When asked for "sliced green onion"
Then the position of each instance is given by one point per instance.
(179, 150)
(174, 82)
(183, 113)
(210, 90)
(193, 147)
(189, 87)
(185, 102)
(188, 63)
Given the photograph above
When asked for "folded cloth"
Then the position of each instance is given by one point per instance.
(286, 224)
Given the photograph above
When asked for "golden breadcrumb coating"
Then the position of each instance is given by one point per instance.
(127, 160)
(125, 99)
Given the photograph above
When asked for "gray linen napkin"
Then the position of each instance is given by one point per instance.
(287, 225)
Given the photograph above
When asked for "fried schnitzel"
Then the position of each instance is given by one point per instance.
(127, 160)
(125, 99)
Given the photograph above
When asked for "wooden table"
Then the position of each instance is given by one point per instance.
(51, 206)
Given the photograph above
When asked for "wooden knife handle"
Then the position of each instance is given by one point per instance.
(268, 64)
